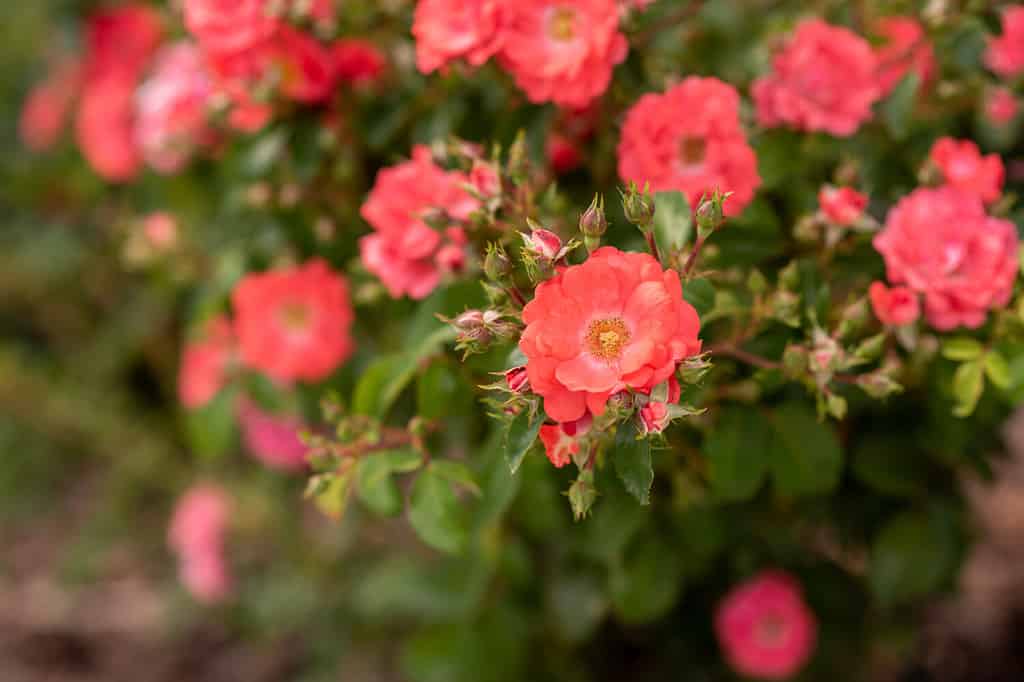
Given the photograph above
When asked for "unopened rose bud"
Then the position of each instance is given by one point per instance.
(836, 405)
(709, 214)
(878, 385)
(593, 223)
(517, 380)
(638, 206)
(470, 319)
(582, 494)
(518, 163)
(543, 243)
(497, 265)
(825, 354)
(854, 317)
(654, 417)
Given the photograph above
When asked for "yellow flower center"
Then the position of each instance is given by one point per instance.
(692, 150)
(563, 24)
(295, 316)
(606, 338)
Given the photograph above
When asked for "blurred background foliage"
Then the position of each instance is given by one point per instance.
(94, 447)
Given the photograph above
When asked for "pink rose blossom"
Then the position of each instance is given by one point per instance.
(940, 244)
(823, 79)
(1005, 53)
(405, 252)
(1001, 106)
(894, 306)
(562, 52)
(690, 139)
(229, 25)
(105, 127)
(307, 67)
(906, 49)
(563, 153)
(172, 108)
(764, 627)
(841, 206)
(272, 439)
(196, 534)
(446, 30)
(963, 167)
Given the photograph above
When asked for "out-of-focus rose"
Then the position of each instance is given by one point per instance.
(272, 439)
(894, 306)
(358, 62)
(230, 25)
(205, 362)
(906, 49)
(963, 167)
(940, 243)
(823, 79)
(446, 30)
(48, 105)
(1005, 53)
(841, 206)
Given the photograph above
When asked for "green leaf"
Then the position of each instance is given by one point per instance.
(673, 221)
(385, 379)
(633, 462)
(997, 370)
(962, 348)
(968, 385)
(374, 483)
(457, 473)
(738, 451)
(898, 108)
(890, 466)
(212, 430)
(440, 392)
(575, 603)
(520, 436)
(806, 458)
(700, 294)
(647, 582)
(330, 492)
(435, 514)
(912, 556)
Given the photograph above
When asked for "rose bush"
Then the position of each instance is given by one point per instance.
(749, 277)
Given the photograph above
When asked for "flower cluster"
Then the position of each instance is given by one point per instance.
(561, 52)
(196, 534)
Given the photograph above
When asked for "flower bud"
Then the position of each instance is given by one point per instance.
(485, 179)
(709, 214)
(582, 494)
(593, 222)
(497, 265)
(518, 163)
(639, 206)
(543, 243)
(878, 385)
(468, 320)
(824, 357)
(654, 417)
(517, 380)
(870, 348)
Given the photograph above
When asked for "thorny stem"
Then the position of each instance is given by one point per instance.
(652, 244)
(516, 295)
(692, 260)
(729, 350)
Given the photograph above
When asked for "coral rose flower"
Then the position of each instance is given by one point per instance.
(941, 244)
(172, 108)
(271, 438)
(105, 127)
(294, 323)
(841, 206)
(407, 254)
(562, 52)
(963, 167)
(1005, 53)
(896, 306)
(229, 25)
(617, 321)
(906, 49)
(690, 139)
(122, 40)
(764, 627)
(562, 441)
(204, 363)
(446, 30)
(307, 67)
(823, 79)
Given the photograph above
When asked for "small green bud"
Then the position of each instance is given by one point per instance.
(582, 495)
(836, 405)
(878, 385)
(497, 265)
(593, 223)
(639, 206)
(710, 215)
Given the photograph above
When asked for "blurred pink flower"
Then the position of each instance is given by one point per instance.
(204, 363)
(48, 106)
(271, 438)
(963, 167)
(824, 79)
(1001, 106)
(1005, 53)
(446, 30)
(841, 206)
(764, 627)
(196, 534)
(906, 49)
(894, 306)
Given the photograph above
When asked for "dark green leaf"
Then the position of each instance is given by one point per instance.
(376, 487)
(520, 436)
(673, 221)
(806, 458)
(457, 473)
(738, 451)
(632, 458)
(700, 294)
(647, 583)
(898, 108)
(435, 514)
(912, 556)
